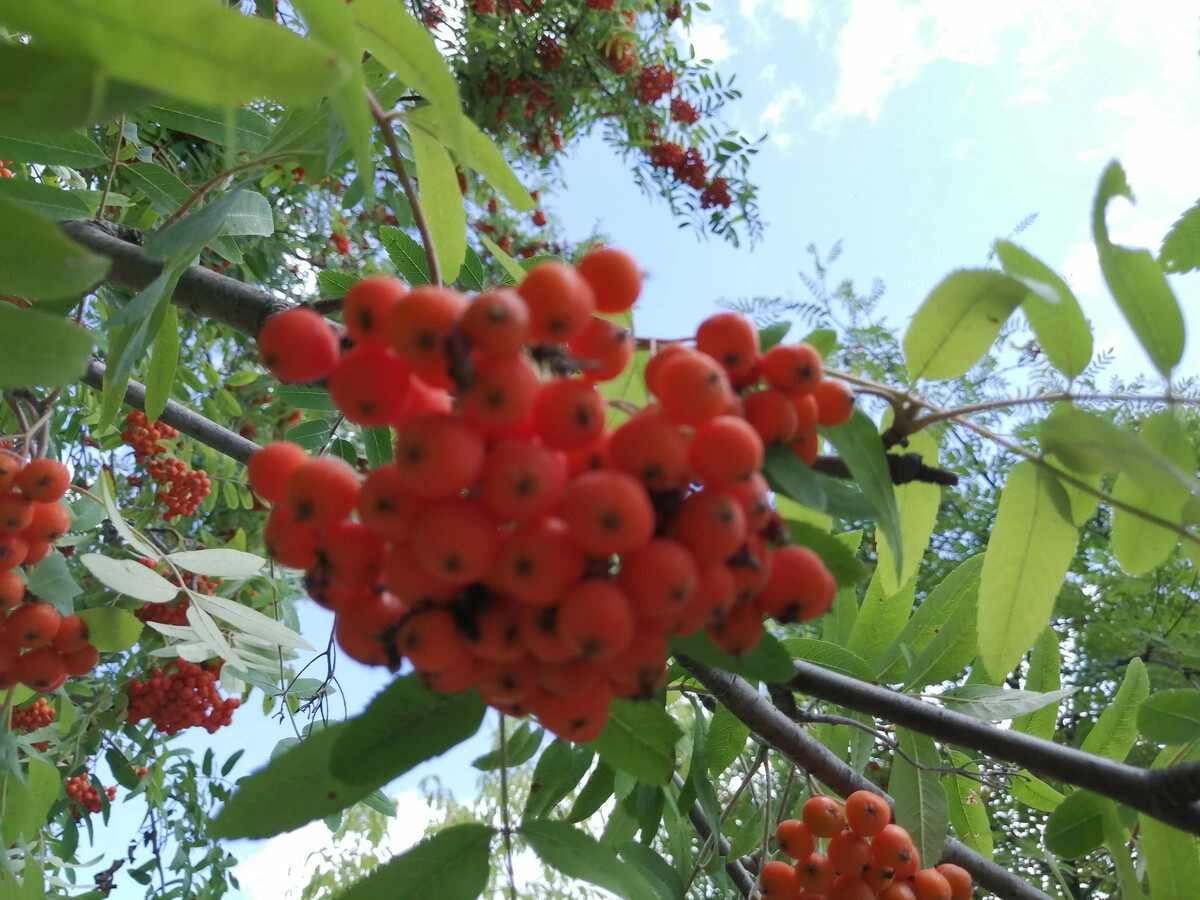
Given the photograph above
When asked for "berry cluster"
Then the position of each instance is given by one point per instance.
(41, 649)
(682, 111)
(653, 82)
(516, 543)
(183, 489)
(716, 194)
(30, 718)
(32, 516)
(867, 857)
(185, 698)
(86, 797)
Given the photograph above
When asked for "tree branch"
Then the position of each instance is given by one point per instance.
(796, 744)
(241, 306)
(179, 416)
(1169, 795)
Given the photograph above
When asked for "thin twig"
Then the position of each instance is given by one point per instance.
(504, 818)
(112, 169)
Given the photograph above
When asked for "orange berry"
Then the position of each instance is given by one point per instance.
(366, 306)
(739, 631)
(815, 873)
(384, 504)
(298, 345)
(659, 578)
(806, 413)
(731, 339)
(849, 853)
(438, 456)
(496, 323)
(835, 402)
(794, 838)
(892, 848)
(456, 540)
(603, 349)
(288, 542)
(507, 682)
(779, 881)
(897, 890)
(655, 363)
(72, 634)
(269, 468)
(614, 277)
(431, 641)
(725, 450)
(772, 414)
(792, 368)
(650, 447)
(692, 387)
(44, 480)
(539, 562)
(370, 385)
(49, 523)
(711, 524)
(798, 587)
(867, 813)
(596, 620)
(10, 466)
(353, 553)
(539, 633)
(754, 495)
(579, 718)
(610, 512)
(930, 884)
(569, 678)
(806, 445)
(496, 634)
(34, 624)
(823, 815)
(16, 511)
(711, 601)
(501, 397)
(418, 328)
(12, 589)
(568, 414)
(43, 670)
(850, 887)
(521, 479)
(961, 886)
(322, 491)
(408, 579)
(13, 550)
(638, 672)
(560, 302)
(81, 661)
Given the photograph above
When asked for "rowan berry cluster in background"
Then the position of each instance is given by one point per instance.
(186, 697)
(81, 790)
(175, 612)
(517, 543)
(867, 857)
(29, 718)
(181, 488)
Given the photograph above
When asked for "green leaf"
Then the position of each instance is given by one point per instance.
(825, 340)
(1171, 717)
(248, 129)
(38, 261)
(42, 93)
(164, 189)
(51, 581)
(959, 320)
(515, 272)
(921, 805)
(193, 50)
(71, 149)
(578, 855)
(997, 704)
(560, 768)
(949, 606)
(482, 155)
(164, 360)
(839, 559)
(597, 789)
(51, 202)
(968, 813)
(1137, 282)
(404, 725)
(1062, 331)
(310, 435)
(303, 397)
(917, 503)
(1140, 545)
(750, 836)
(766, 662)
(665, 880)
(1043, 676)
(452, 864)
(1181, 246)
(27, 804)
(1115, 732)
(238, 212)
(130, 578)
(829, 656)
(336, 284)
(639, 739)
(470, 276)
(1029, 551)
(880, 619)
(441, 199)
(1076, 827)
(378, 444)
(110, 629)
(406, 255)
(789, 476)
(1035, 793)
(727, 736)
(221, 562)
(772, 334)
(1172, 856)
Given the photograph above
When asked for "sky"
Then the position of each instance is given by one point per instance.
(914, 132)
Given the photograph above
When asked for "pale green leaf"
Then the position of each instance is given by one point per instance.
(1043, 675)
(248, 129)
(968, 812)
(997, 704)
(130, 578)
(110, 629)
(441, 200)
(220, 562)
(1171, 717)
(727, 736)
(506, 262)
(26, 804)
(44, 199)
(918, 504)
(921, 805)
(1076, 827)
(639, 739)
(880, 618)
(248, 620)
(1035, 793)
(1115, 732)
(1181, 246)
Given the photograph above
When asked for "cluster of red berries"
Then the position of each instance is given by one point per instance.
(86, 797)
(40, 648)
(682, 111)
(867, 857)
(184, 698)
(30, 718)
(653, 82)
(688, 167)
(516, 543)
(183, 489)
(32, 516)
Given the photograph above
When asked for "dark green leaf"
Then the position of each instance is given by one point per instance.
(470, 275)
(378, 444)
(452, 864)
(237, 210)
(766, 662)
(70, 149)
(164, 189)
(845, 567)
(561, 767)
(303, 397)
(197, 51)
(829, 656)
(656, 870)
(750, 835)
(405, 724)
(1115, 732)
(38, 261)
(1076, 827)
(787, 474)
(1181, 246)
(921, 806)
(52, 202)
(51, 581)
(37, 350)
(250, 130)
(523, 743)
(597, 789)
(406, 255)
(1171, 717)
(578, 855)
(639, 739)
(727, 736)
(310, 435)
(335, 283)
(164, 360)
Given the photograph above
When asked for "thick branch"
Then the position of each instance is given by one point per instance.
(904, 468)
(796, 744)
(1166, 794)
(179, 416)
(241, 306)
(734, 868)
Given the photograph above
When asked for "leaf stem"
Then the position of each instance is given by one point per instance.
(112, 169)
(504, 816)
(410, 191)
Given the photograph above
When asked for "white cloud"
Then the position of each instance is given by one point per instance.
(800, 11)
(777, 109)
(708, 39)
(960, 149)
(768, 72)
(1030, 96)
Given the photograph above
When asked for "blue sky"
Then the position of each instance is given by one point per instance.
(915, 132)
